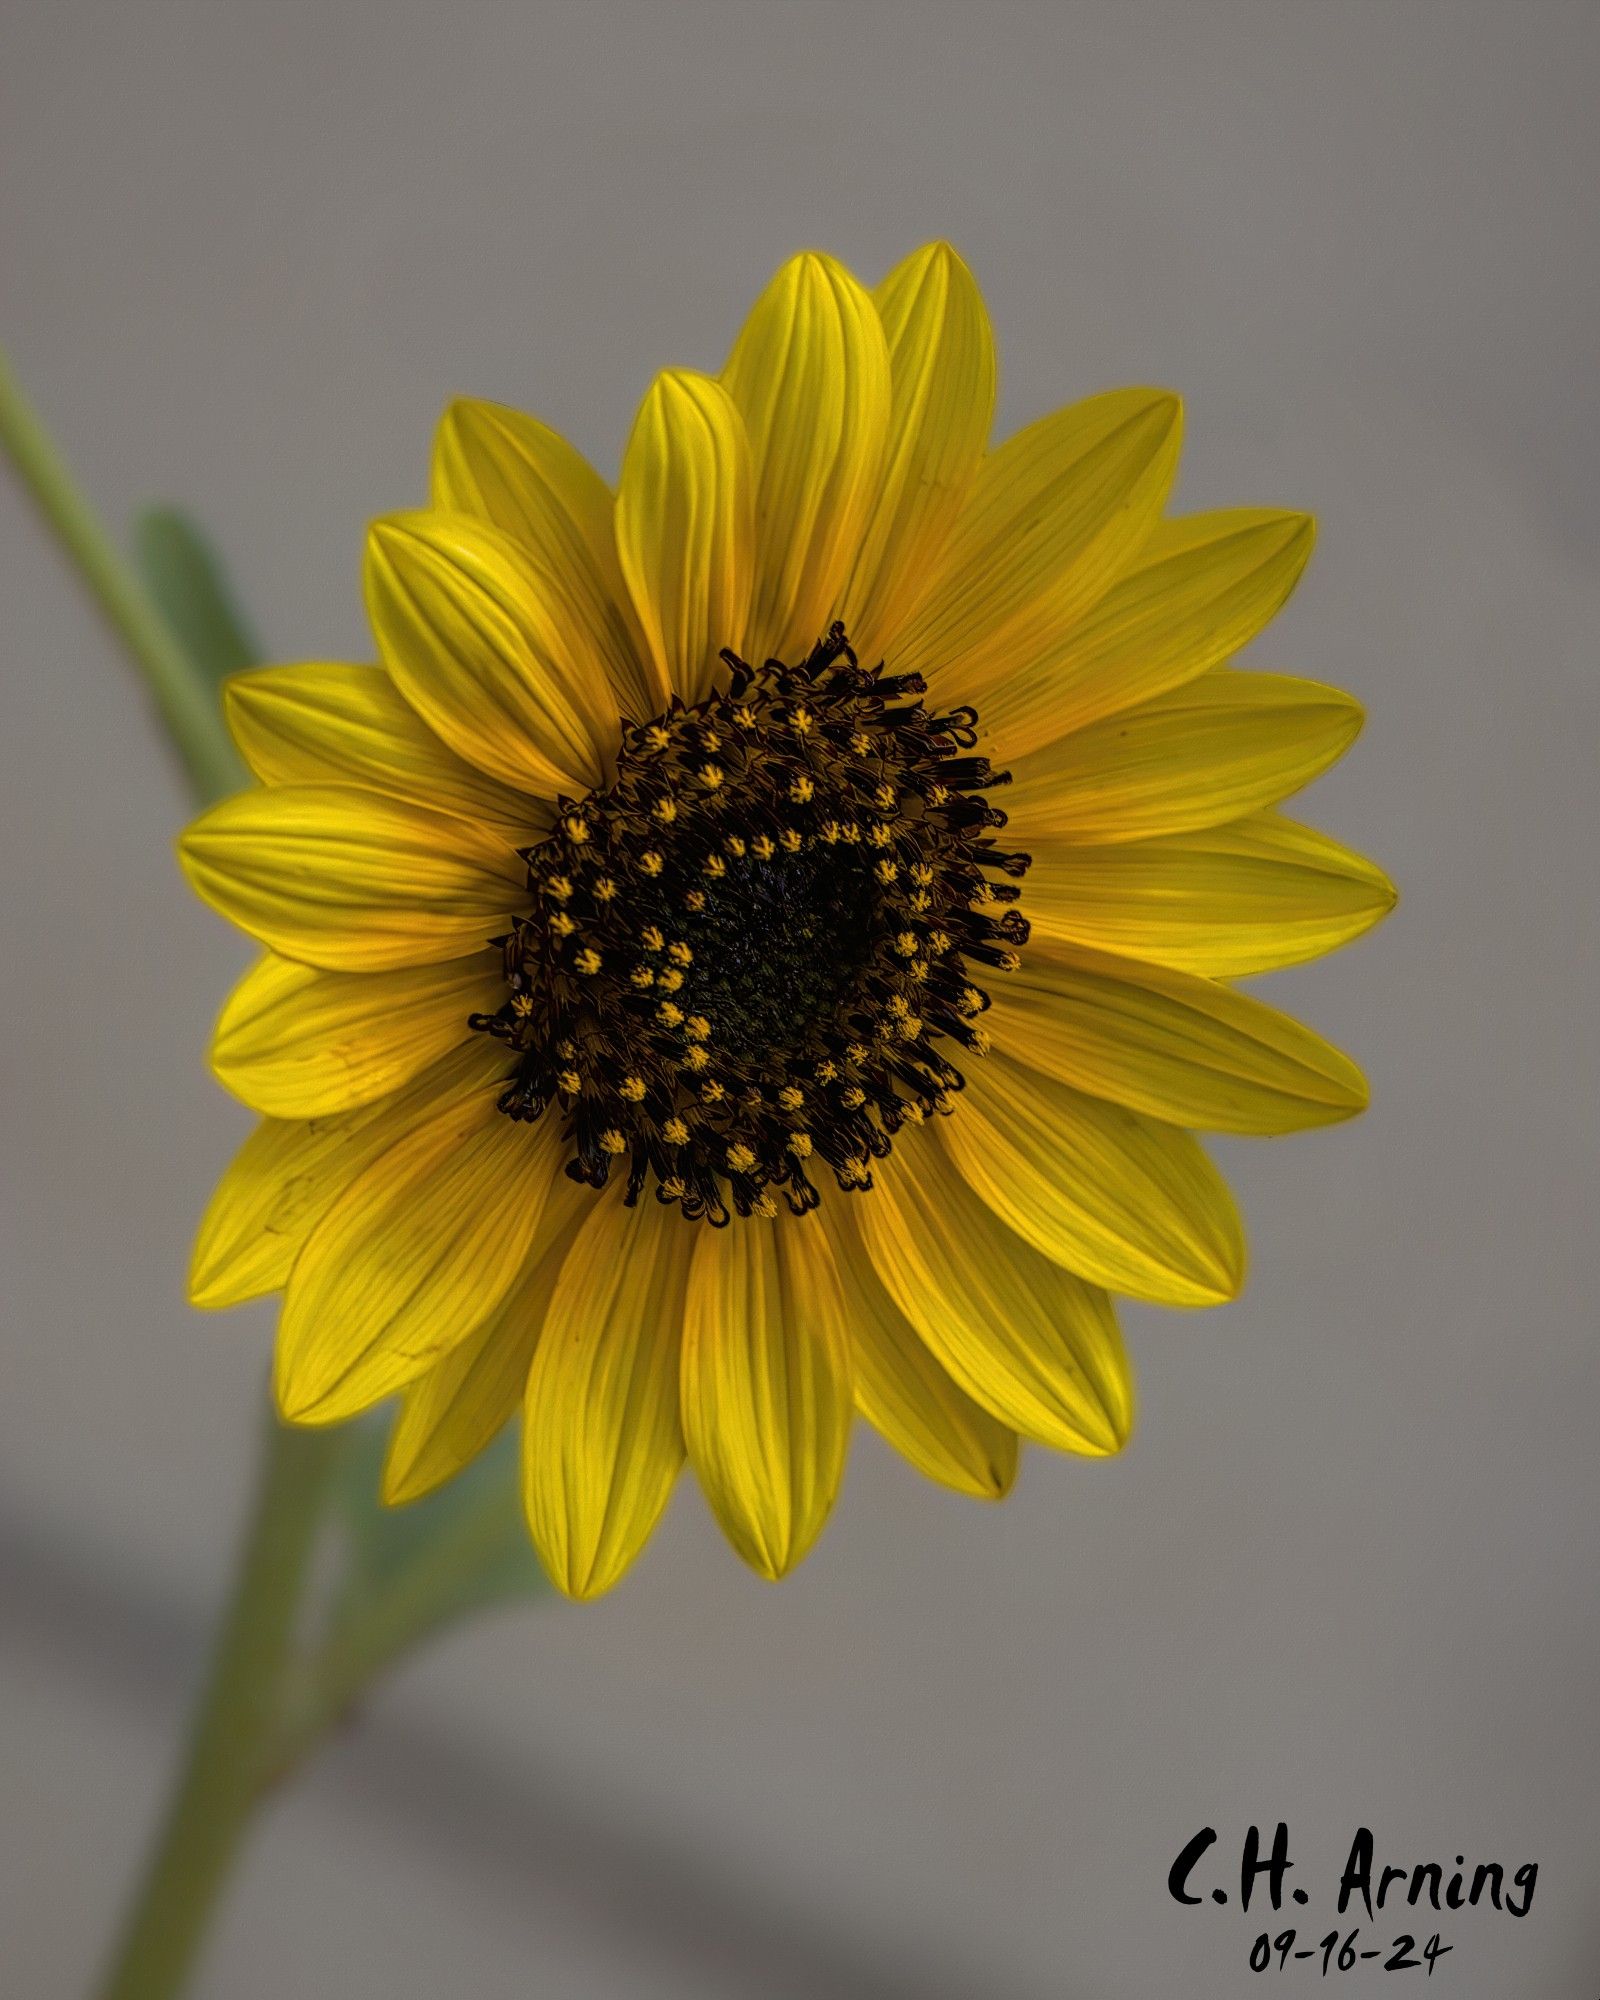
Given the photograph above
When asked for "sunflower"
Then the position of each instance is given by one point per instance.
(651, 1037)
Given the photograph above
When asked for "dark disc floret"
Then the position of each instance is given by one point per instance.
(742, 957)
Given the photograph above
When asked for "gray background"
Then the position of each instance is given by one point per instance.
(1346, 1572)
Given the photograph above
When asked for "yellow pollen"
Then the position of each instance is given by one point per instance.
(716, 867)
(939, 941)
(982, 1041)
(831, 832)
(910, 1027)
(799, 1143)
(712, 1092)
(696, 1057)
(675, 1132)
(860, 742)
(886, 798)
(1009, 961)
(922, 874)
(880, 833)
(886, 871)
(570, 1082)
(790, 841)
(711, 776)
(680, 954)
(800, 721)
(558, 887)
(673, 1188)
(612, 1141)
(657, 738)
(907, 945)
(561, 923)
(827, 1071)
(921, 901)
(745, 716)
(762, 848)
(669, 1013)
(735, 846)
(670, 980)
(652, 938)
(588, 960)
(632, 1088)
(710, 739)
(522, 1005)
(605, 889)
(694, 899)
(576, 828)
(651, 862)
(914, 1113)
(920, 968)
(852, 1097)
(971, 1001)
(857, 1052)
(791, 1097)
(665, 810)
(740, 1159)
(764, 1206)
(697, 1028)
(802, 791)
(852, 832)
(642, 976)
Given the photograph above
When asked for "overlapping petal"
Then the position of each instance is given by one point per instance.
(414, 1255)
(330, 723)
(810, 375)
(1052, 518)
(353, 880)
(602, 1444)
(941, 403)
(458, 1406)
(686, 528)
(1215, 749)
(903, 1391)
(483, 645)
(767, 1386)
(1251, 896)
(297, 1042)
(1123, 1200)
(1028, 1340)
(288, 1173)
(524, 477)
(1179, 1047)
(1196, 589)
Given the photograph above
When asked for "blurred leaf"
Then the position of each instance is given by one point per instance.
(405, 1572)
(185, 576)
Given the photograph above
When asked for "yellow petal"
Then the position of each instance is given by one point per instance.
(1122, 1200)
(287, 1174)
(1197, 589)
(767, 1384)
(412, 1256)
(1181, 1048)
(477, 641)
(333, 724)
(810, 374)
(524, 477)
(1052, 518)
(352, 880)
(459, 1406)
(686, 528)
(1231, 900)
(1215, 749)
(1025, 1338)
(293, 1042)
(902, 1391)
(941, 401)
(602, 1445)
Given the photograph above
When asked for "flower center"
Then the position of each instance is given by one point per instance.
(742, 957)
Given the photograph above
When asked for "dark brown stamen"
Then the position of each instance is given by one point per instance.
(742, 954)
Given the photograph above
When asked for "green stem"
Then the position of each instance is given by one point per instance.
(187, 705)
(232, 1747)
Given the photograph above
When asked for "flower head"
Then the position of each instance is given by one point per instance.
(754, 947)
